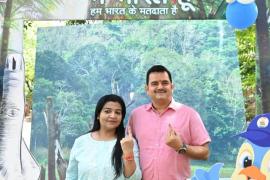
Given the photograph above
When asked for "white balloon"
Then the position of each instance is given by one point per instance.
(246, 1)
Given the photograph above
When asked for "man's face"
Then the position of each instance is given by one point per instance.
(159, 87)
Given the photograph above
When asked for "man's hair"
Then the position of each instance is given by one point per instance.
(157, 68)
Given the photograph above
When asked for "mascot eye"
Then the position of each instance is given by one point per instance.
(245, 159)
(246, 1)
(247, 162)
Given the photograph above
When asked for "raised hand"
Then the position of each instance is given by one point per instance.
(173, 139)
(127, 143)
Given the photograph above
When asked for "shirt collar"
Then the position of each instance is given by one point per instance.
(172, 105)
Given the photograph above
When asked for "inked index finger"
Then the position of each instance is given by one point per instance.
(173, 132)
(129, 132)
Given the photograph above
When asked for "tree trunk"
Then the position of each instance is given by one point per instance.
(61, 166)
(202, 10)
(5, 35)
(42, 173)
(264, 54)
(220, 11)
(258, 94)
(51, 139)
(4, 43)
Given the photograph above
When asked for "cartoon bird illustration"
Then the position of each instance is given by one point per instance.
(253, 159)
(212, 174)
(241, 13)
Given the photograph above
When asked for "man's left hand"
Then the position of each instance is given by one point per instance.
(173, 139)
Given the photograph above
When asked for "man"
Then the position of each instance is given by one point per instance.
(168, 133)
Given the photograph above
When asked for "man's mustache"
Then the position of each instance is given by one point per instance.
(160, 91)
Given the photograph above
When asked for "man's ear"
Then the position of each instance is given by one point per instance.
(146, 88)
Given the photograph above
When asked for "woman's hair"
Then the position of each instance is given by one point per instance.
(120, 130)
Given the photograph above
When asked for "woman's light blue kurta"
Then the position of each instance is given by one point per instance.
(91, 160)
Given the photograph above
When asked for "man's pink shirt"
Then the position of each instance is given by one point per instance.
(159, 161)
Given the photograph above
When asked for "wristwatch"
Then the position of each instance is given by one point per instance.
(182, 149)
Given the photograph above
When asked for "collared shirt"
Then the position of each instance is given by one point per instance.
(159, 161)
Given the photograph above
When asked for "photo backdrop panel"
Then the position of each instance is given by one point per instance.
(76, 65)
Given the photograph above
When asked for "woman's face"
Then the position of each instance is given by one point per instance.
(110, 116)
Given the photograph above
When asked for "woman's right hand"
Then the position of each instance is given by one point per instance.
(127, 143)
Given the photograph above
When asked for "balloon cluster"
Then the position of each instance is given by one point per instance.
(241, 13)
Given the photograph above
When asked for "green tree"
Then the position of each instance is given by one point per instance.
(263, 45)
(246, 43)
(47, 84)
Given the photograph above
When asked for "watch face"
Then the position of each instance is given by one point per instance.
(182, 151)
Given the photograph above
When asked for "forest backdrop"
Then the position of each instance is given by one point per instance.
(76, 65)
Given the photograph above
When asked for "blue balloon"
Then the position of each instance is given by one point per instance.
(240, 15)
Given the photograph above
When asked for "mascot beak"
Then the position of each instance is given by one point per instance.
(252, 172)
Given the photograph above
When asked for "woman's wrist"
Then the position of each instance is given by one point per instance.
(128, 156)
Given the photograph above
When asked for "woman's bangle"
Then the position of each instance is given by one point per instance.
(128, 157)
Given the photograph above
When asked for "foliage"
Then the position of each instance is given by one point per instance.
(29, 54)
(246, 43)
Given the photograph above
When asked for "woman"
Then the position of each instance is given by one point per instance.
(105, 153)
